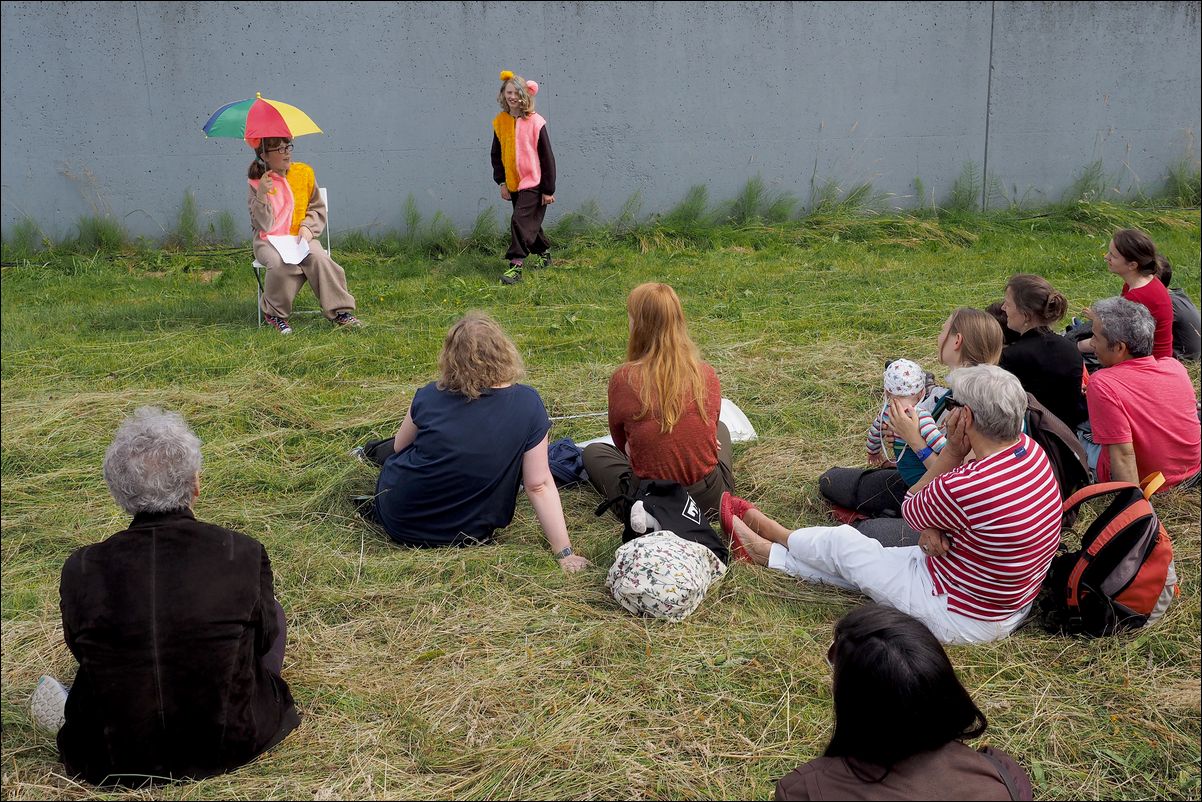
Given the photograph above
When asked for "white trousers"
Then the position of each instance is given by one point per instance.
(898, 577)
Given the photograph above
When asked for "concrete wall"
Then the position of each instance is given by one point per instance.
(103, 102)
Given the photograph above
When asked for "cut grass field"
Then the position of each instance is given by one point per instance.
(486, 672)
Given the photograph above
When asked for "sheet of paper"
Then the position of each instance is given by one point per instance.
(292, 250)
(736, 422)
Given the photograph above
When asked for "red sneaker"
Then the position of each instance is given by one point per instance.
(731, 506)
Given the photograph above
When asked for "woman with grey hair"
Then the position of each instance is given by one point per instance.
(990, 526)
(175, 625)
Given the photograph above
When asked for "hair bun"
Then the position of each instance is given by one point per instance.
(506, 75)
(1055, 307)
(532, 88)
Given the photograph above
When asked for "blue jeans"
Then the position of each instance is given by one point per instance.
(1092, 449)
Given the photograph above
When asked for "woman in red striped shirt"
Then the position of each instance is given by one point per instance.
(990, 526)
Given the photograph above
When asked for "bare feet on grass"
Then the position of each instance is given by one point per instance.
(758, 548)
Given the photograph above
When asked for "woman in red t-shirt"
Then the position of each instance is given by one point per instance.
(1132, 257)
(663, 409)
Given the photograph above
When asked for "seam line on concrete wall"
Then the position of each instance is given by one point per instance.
(988, 110)
(142, 52)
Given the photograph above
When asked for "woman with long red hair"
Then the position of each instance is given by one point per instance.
(663, 409)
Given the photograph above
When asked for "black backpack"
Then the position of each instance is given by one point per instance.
(673, 509)
(1121, 574)
(1065, 452)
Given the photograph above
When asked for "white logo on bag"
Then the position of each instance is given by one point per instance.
(692, 511)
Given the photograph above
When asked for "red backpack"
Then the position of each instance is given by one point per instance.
(1122, 577)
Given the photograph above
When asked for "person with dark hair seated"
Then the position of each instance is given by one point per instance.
(1049, 366)
(1187, 322)
(175, 625)
(1132, 256)
(901, 718)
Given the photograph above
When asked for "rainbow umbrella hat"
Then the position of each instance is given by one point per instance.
(259, 117)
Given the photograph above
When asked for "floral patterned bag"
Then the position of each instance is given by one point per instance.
(663, 576)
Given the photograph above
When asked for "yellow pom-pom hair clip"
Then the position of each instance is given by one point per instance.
(531, 86)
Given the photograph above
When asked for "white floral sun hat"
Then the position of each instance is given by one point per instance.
(903, 377)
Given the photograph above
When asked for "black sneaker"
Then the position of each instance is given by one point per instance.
(365, 507)
(280, 324)
(347, 319)
(546, 261)
(513, 275)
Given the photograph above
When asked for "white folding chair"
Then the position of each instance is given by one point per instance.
(260, 269)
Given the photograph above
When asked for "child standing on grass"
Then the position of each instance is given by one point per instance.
(905, 387)
(523, 165)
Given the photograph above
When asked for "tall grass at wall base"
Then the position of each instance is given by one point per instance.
(1183, 184)
(25, 240)
(99, 233)
(756, 213)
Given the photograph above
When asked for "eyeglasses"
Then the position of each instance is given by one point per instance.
(950, 403)
(281, 149)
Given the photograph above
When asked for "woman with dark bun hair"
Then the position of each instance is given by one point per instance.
(1048, 366)
(901, 716)
(1132, 257)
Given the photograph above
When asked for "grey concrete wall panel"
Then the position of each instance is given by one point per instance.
(103, 102)
(1074, 83)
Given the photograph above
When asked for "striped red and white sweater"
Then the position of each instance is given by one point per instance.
(1002, 513)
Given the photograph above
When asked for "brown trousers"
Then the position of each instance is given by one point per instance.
(526, 226)
(282, 282)
(609, 471)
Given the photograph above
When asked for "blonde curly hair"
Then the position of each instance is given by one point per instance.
(519, 83)
(477, 355)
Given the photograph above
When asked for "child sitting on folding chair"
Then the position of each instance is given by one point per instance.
(284, 201)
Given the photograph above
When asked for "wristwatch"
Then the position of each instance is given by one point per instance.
(566, 552)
